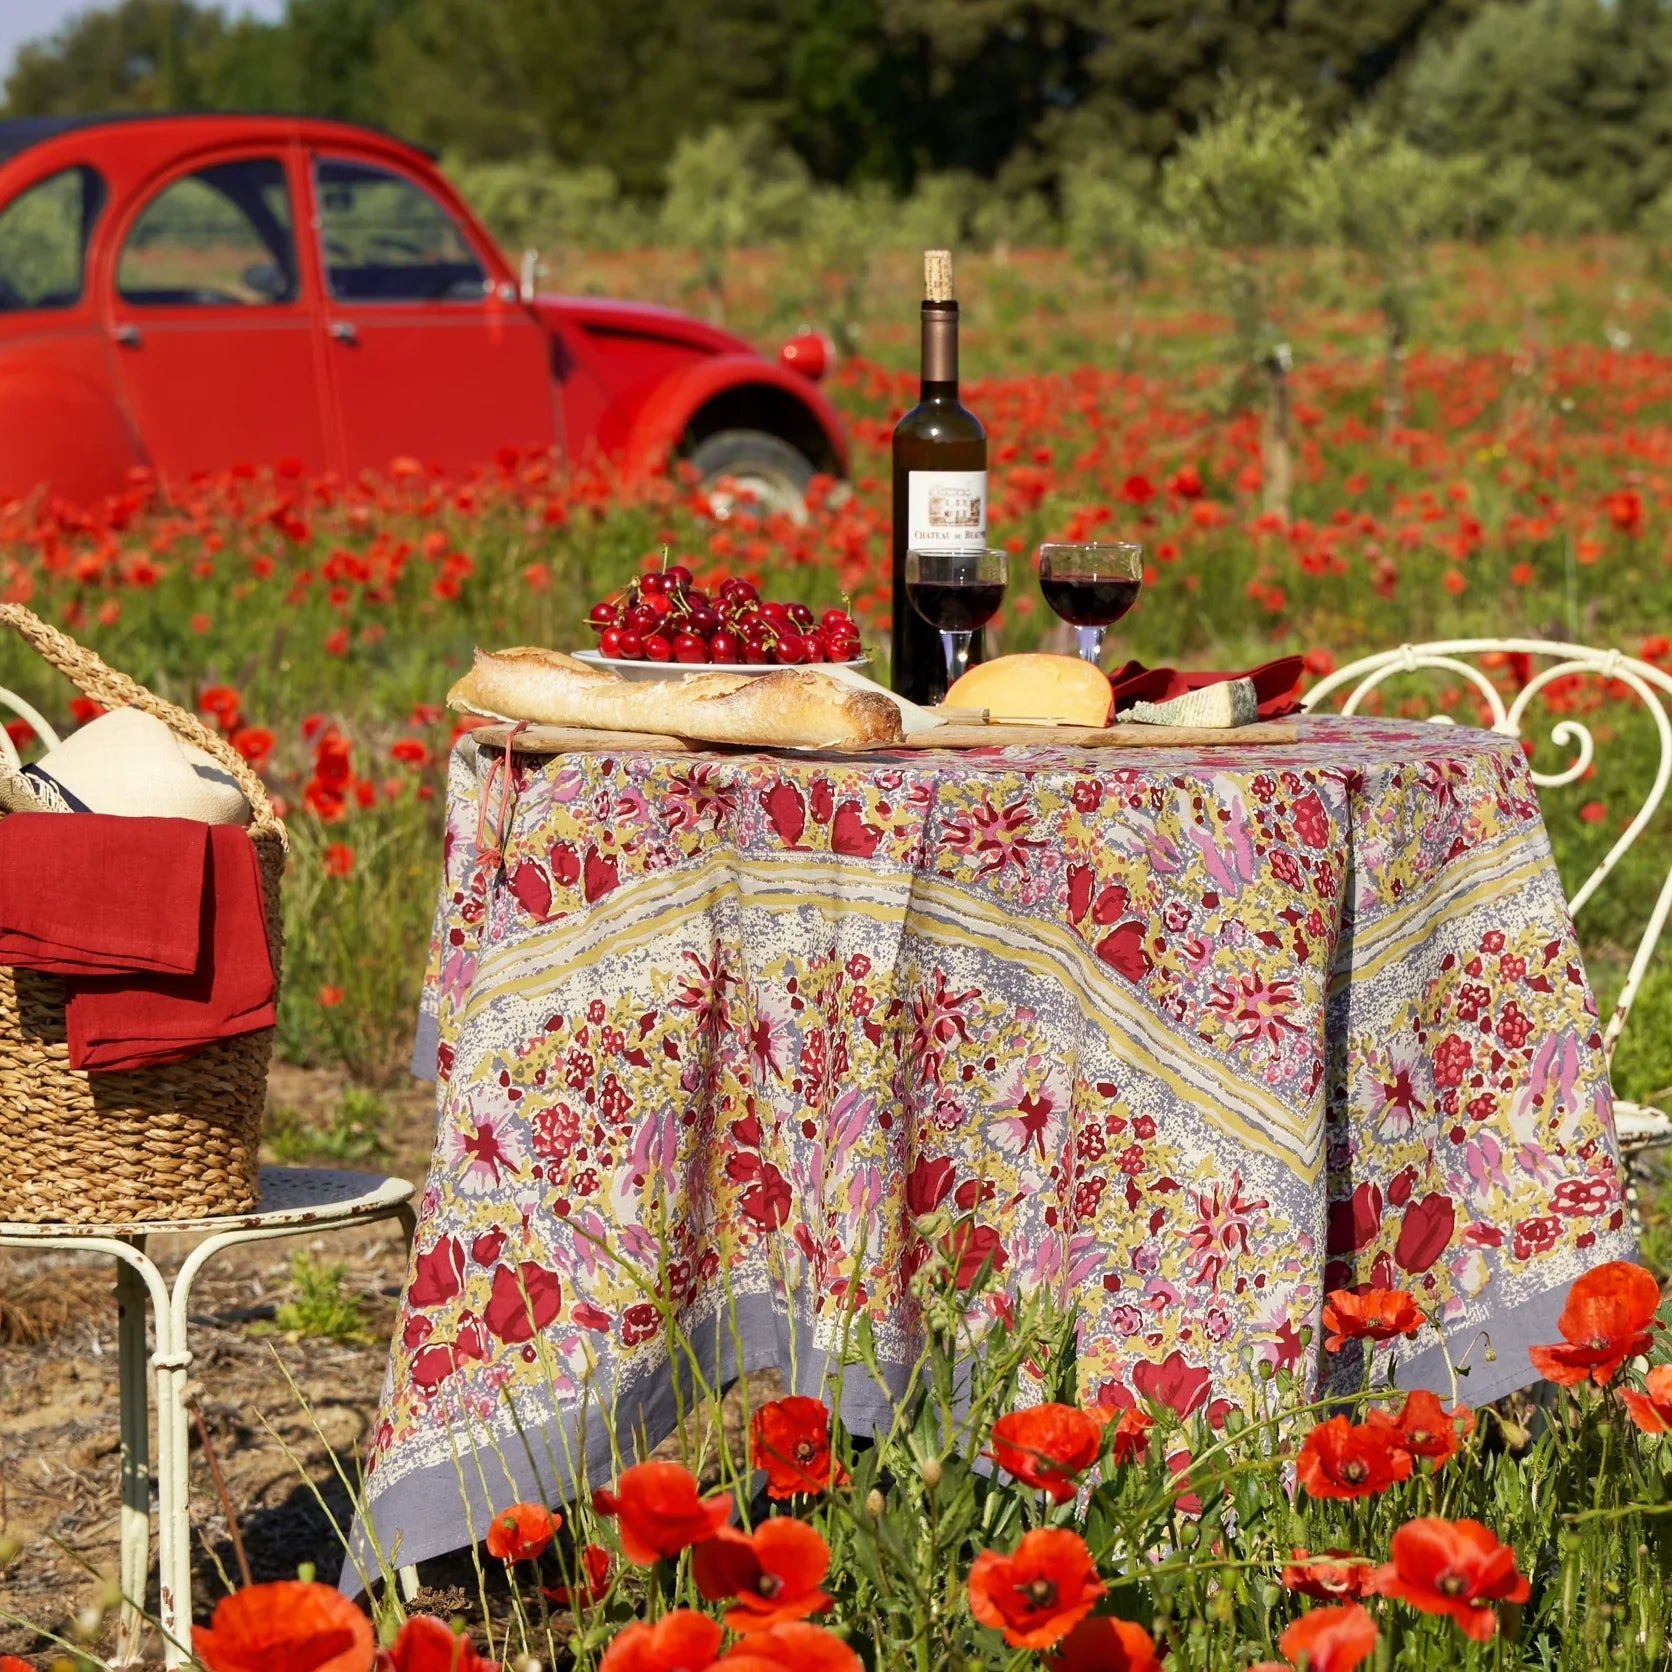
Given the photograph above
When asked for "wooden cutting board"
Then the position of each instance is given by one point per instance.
(564, 740)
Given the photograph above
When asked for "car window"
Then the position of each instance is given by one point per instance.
(219, 236)
(385, 239)
(43, 240)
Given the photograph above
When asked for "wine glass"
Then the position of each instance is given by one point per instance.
(957, 592)
(1091, 587)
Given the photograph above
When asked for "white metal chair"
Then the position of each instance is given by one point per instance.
(295, 1201)
(1639, 1126)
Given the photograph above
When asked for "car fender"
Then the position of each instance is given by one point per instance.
(62, 432)
(667, 412)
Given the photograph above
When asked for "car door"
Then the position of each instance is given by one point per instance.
(432, 356)
(216, 342)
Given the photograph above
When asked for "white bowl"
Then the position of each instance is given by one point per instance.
(678, 670)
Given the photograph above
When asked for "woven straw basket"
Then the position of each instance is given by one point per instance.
(174, 1142)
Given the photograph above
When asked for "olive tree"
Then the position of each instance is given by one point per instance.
(1236, 188)
(1109, 230)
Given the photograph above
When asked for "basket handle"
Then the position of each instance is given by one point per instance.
(95, 678)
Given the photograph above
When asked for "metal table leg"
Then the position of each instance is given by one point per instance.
(136, 1459)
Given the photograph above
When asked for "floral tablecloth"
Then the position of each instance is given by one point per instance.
(1189, 1037)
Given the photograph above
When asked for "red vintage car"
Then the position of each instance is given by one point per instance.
(192, 292)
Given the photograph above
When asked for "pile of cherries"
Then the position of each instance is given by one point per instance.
(662, 617)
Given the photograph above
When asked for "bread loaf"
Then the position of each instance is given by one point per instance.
(789, 708)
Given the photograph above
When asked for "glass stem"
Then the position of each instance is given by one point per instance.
(1091, 644)
(957, 647)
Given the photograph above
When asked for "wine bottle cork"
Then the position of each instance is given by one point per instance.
(937, 275)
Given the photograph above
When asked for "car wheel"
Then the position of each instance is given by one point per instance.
(739, 468)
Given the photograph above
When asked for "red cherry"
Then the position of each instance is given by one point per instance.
(775, 609)
(757, 653)
(836, 618)
(657, 649)
(678, 575)
(734, 586)
(630, 647)
(815, 652)
(841, 650)
(687, 647)
(642, 619)
(602, 615)
(652, 584)
(703, 620)
(659, 602)
(801, 616)
(609, 641)
(725, 647)
(792, 648)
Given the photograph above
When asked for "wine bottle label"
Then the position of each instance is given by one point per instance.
(946, 510)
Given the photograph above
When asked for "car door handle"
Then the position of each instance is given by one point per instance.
(127, 335)
(343, 331)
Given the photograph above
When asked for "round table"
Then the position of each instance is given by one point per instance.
(1187, 1036)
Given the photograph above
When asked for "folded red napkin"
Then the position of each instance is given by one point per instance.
(91, 894)
(117, 1022)
(1276, 685)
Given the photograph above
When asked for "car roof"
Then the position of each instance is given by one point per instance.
(19, 133)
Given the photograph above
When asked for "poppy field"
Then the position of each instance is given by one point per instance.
(997, 1523)
(1525, 489)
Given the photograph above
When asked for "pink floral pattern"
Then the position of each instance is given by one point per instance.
(1189, 1038)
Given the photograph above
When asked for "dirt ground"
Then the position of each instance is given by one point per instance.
(59, 1444)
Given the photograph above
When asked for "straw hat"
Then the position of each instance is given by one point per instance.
(126, 762)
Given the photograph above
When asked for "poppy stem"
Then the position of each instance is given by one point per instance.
(220, 1492)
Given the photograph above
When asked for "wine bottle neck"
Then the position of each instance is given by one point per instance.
(940, 349)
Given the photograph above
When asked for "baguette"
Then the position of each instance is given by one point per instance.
(789, 708)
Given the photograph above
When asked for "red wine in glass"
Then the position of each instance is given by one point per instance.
(1091, 587)
(958, 593)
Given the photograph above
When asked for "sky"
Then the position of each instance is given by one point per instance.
(25, 20)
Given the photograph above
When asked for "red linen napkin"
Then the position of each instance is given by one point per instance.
(92, 894)
(1275, 685)
(117, 1022)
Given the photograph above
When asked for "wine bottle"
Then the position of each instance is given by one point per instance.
(940, 484)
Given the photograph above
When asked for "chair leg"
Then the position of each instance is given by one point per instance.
(409, 1581)
(136, 1462)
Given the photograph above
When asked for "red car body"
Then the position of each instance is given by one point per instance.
(186, 293)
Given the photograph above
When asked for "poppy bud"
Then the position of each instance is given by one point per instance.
(930, 1469)
(874, 1504)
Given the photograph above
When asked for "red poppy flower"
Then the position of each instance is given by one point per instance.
(1334, 1639)
(1428, 1429)
(1038, 1593)
(339, 859)
(287, 1626)
(658, 1511)
(1336, 1573)
(790, 1439)
(1652, 1410)
(1451, 1567)
(1341, 1460)
(594, 1577)
(1369, 1315)
(1105, 1644)
(1131, 1438)
(520, 1533)
(773, 1573)
(1048, 1446)
(681, 1641)
(427, 1645)
(1606, 1320)
(794, 1647)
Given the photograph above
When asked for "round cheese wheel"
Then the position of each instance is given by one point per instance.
(1034, 686)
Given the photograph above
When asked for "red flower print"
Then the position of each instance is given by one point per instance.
(533, 889)
(927, 1185)
(658, 1512)
(599, 875)
(1369, 1315)
(1451, 1567)
(772, 1574)
(1174, 1382)
(1335, 1639)
(1514, 1026)
(968, 1246)
(1339, 1459)
(287, 1626)
(1607, 1319)
(523, 1302)
(850, 834)
(1591, 1195)
(1122, 949)
(1651, 1410)
(488, 1247)
(1335, 1574)
(1425, 1232)
(1537, 1235)
(640, 1322)
(1453, 1058)
(786, 812)
(1039, 1592)
(681, 1641)
(1311, 821)
(1353, 1224)
(521, 1532)
(790, 1439)
(1048, 1446)
(1105, 1644)
(438, 1274)
(429, 1645)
